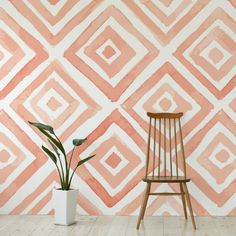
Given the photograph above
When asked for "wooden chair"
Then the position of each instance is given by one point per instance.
(166, 166)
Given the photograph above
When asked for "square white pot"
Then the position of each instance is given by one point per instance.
(64, 203)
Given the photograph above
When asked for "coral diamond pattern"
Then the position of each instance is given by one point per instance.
(119, 172)
(20, 53)
(55, 96)
(210, 53)
(121, 54)
(166, 18)
(214, 158)
(18, 164)
(54, 20)
(10, 53)
(136, 52)
(167, 91)
(108, 139)
(93, 68)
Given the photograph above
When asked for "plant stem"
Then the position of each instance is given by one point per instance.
(68, 172)
(66, 163)
(58, 156)
(61, 167)
(71, 156)
(72, 175)
(62, 182)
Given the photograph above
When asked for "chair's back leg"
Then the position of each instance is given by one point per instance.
(183, 200)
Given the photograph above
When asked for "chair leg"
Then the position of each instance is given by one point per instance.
(144, 204)
(183, 200)
(189, 204)
(146, 200)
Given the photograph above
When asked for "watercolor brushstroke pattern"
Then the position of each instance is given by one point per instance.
(93, 68)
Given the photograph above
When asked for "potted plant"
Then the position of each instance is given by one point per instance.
(64, 198)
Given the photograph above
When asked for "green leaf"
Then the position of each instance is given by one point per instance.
(53, 146)
(50, 154)
(78, 142)
(42, 126)
(54, 141)
(84, 160)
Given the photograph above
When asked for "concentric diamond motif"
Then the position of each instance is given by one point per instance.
(123, 53)
(52, 103)
(212, 161)
(219, 157)
(111, 52)
(216, 55)
(165, 99)
(53, 90)
(209, 53)
(167, 91)
(114, 176)
(165, 103)
(117, 166)
(19, 55)
(218, 69)
(165, 18)
(114, 161)
(53, 98)
(222, 157)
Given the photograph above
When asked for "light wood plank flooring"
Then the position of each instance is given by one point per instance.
(117, 226)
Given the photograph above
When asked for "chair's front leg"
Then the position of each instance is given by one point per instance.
(144, 204)
(189, 204)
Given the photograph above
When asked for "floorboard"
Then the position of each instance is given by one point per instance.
(42, 225)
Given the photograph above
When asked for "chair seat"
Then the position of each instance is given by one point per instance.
(166, 179)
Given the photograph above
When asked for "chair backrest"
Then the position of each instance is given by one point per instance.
(165, 150)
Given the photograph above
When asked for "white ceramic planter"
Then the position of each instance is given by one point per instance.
(64, 203)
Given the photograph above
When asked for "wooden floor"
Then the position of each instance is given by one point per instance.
(117, 226)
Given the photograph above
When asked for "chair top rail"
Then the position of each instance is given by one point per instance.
(164, 115)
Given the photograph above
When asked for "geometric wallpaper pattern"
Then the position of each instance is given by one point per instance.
(93, 68)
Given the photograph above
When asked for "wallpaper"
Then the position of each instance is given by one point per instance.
(93, 68)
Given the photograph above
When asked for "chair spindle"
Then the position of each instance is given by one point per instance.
(182, 148)
(164, 146)
(170, 148)
(159, 151)
(154, 148)
(176, 155)
(148, 146)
